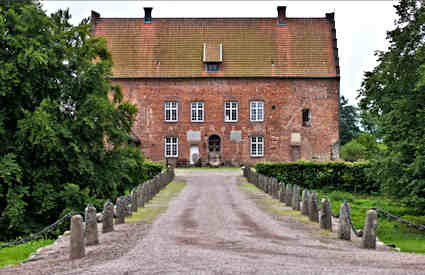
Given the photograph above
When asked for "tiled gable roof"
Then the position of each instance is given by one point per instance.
(251, 47)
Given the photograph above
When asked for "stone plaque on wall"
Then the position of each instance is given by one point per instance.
(295, 139)
(236, 136)
(193, 135)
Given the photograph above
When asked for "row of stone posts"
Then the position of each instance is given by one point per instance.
(84, 233)
(308, 205)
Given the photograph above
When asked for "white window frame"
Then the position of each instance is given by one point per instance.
(258, 143)
(197, 108)
(233, 106)
(171, 146)
(256, 111)
(172, 109)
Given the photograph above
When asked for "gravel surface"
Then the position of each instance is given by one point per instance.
(213, 227)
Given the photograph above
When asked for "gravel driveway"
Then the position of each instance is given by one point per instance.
(214, 227)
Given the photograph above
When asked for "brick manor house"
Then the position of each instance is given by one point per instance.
(228, 90)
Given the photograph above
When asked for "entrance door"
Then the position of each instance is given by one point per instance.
(214, 144)
(194, 154)
(214, 148)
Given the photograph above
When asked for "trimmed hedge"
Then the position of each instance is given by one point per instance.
(152, 168)
(345, 176)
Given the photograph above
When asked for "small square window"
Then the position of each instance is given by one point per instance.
(306, 117)
(212, 67)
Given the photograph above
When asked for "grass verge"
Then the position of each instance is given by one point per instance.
(270, 205)
(388, 231)
(17, 254)
(158, 205)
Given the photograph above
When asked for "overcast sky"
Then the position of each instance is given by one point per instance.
(361, 26)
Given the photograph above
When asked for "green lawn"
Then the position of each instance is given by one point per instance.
(17, 254)
(388, 231)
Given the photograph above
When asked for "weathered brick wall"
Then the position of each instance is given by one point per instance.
(284, 100)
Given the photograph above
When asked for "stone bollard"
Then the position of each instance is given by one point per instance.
(344, 227)
(261, 177)
(92, 237)
(119, 210)
(134, 200)
(296, 198)
(144, 194)
(148, 191)
(139, 196)
(77, 238)
(108, 217)
(326, 215)
(127, 206)
(369, 231)
(275, 189)
(282, 192)
(313, 211)
(304, 202)
(269, 187)
(288, 196)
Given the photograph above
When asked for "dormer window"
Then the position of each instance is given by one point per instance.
(212, 56)
(212, 67)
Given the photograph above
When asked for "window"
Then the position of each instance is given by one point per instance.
(257, 110)
(197, 111)
(171, 147)
(306, 117)
(212, 67)
(231, 111)
(257, 146)
(171, 111)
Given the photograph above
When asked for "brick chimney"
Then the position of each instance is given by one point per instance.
(93, 17)
(281, 15)
(148, 15)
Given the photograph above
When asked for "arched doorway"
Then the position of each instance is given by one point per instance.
(214, 149)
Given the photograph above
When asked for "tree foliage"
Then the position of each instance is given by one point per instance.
(363, 147)
(393, 94)
(61, 134)
(349, 121)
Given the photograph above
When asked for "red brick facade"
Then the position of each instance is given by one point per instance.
(288, 64)
(284, 100)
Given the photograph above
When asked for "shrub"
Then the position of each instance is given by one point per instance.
(353, 151)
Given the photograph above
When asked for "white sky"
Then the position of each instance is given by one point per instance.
(361, 25)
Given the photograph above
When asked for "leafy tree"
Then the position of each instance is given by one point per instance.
(349, 121)
(394, 96)
(61, 134)
(363, 147)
